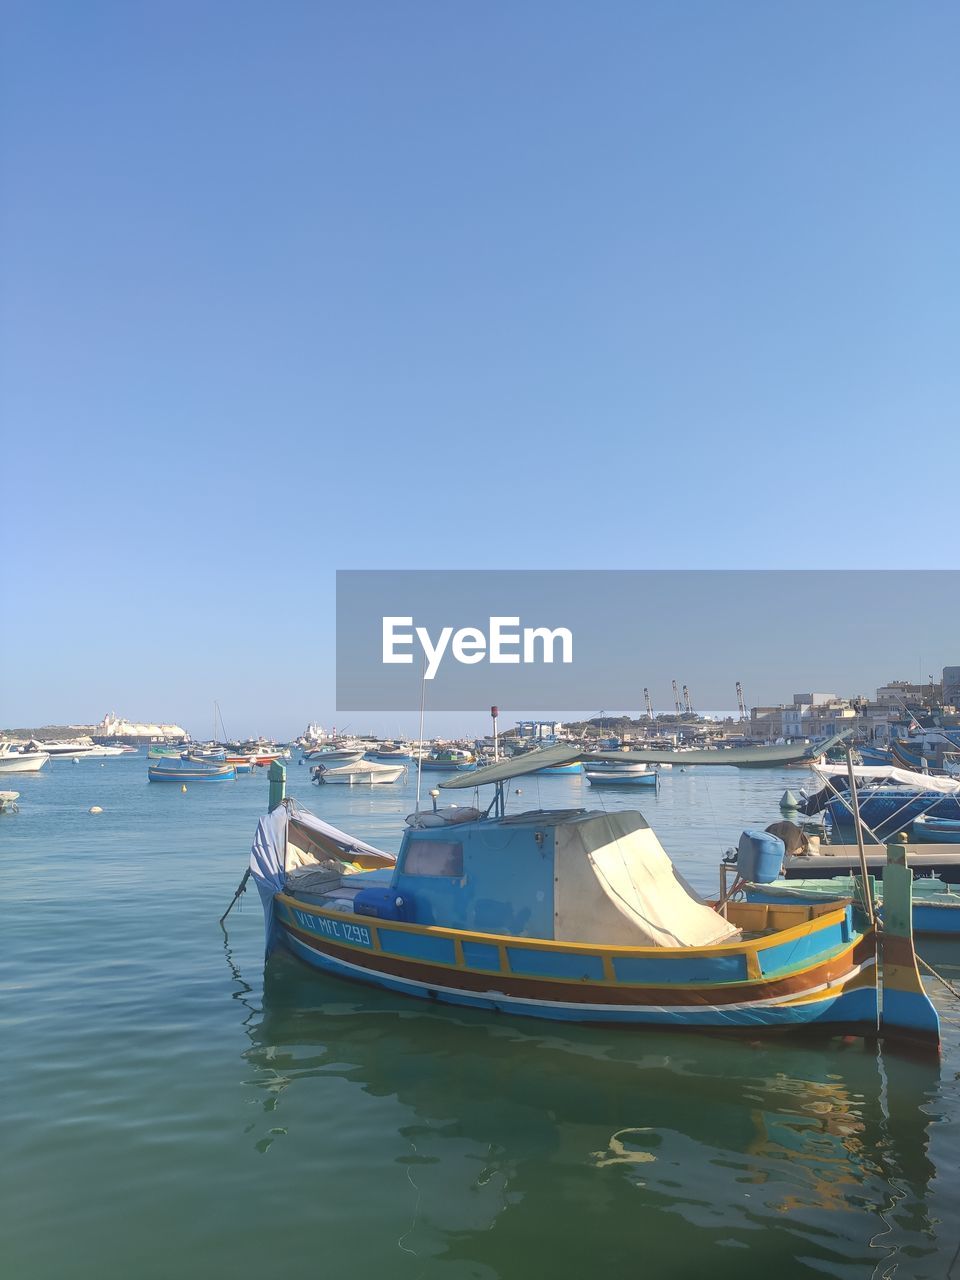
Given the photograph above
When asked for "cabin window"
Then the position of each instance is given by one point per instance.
(433, 858)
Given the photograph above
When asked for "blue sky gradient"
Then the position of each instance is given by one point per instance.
(296, 288)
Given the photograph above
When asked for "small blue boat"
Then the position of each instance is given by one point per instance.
(936, 830)
(186, 770)
(551, 770)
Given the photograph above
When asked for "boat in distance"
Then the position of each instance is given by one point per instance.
(189, 770)
(642, 777)
(448, 760)
(359, 773)
(15, 760)
(574, 915)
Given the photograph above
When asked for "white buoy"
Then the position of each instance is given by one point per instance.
(96, 809)
(184, 787)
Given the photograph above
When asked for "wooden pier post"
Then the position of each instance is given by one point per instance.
(278, 785)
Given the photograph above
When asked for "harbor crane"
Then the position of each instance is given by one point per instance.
(741, 705)
(687, 704)
(676, 699)
(648, 704)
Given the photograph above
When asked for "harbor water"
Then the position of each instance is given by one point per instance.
(169, 1111)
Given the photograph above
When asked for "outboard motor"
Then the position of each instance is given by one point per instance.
(760, 857)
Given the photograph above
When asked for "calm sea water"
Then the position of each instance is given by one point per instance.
(169, 1112)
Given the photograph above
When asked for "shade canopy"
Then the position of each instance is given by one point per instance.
(551, 757)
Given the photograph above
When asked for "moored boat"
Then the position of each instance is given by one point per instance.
(611, 777)
(333, 755)
(359, 773)
(189, 770)
(389, 753)
(571, 915)
(14, 759)
(448, 760)
(76, 749)
(8, 801)
(930, 830)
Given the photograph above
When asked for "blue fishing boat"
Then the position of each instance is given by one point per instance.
(932, 830)
(571, 915)
(560, 769)
(187, 770)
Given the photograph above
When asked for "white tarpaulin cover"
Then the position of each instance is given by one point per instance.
(616, 885)
(274, 854)
(837, 776)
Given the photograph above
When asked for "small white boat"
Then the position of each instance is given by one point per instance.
(331, 756)
(8, 801)
(616, 766)
(361, 773)
(622, 777)
(14, 760)
(75, 749)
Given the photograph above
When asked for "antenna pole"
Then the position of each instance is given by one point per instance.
(423, 690)
(854, 799)
(495, 712)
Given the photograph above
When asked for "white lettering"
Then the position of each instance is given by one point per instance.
(391, 639)
(434, 652)
(507, 644)
(498, 638)
(469, 645)
(532, 634)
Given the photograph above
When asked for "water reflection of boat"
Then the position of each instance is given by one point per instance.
(487, 1130)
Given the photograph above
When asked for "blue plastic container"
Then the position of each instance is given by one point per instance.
(384, 903)
(760, 857)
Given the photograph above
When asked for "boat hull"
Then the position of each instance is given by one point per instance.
(936, 831)
(611, 779)
(886, 813)
(831, 979)
(349, 776)
(225, 774)
(29, 762)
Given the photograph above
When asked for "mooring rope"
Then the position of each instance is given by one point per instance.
(939, 977)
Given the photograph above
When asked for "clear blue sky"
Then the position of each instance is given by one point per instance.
(294, 287)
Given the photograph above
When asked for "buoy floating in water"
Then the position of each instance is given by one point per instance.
(184, 787)
(789, 801)
(96, 809)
